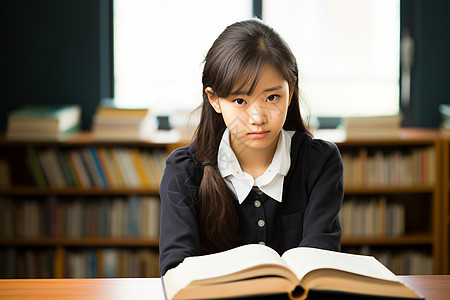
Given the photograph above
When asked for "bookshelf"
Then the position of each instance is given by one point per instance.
(392, 200)
(74, 228)
(421, 203)
(445, 232)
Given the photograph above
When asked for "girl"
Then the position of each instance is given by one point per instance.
(253, 174)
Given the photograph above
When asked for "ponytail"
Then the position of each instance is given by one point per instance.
(218, 217)
(218, 221)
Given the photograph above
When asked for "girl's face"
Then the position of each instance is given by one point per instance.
(255, 120)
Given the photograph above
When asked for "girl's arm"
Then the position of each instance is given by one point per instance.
(322, 228)
(179, 237)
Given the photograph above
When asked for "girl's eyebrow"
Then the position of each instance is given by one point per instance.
(271, 89)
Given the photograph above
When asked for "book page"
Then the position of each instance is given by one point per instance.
(302, 260)
(224, 263)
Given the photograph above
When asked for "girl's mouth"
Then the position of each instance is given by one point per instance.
(258, 134)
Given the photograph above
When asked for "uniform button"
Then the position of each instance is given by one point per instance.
(257, 203)
(261, 223)
(261, 243)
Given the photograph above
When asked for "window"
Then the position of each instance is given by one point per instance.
(347, 52)
(159, 47)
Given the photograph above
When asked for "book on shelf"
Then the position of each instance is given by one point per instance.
(43, 122)
(5, 179)
(53, 216)
(400, 261)
(108, 107)
(372, 127)
(90, 262)
(444, 109)
(116, 123)
(253, 269)
(93, 167)
(373, 217)
(413, 167)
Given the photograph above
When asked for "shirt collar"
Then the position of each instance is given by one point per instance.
(241, 183)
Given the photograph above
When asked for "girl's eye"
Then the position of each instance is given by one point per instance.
(272, 98)
(239, 101)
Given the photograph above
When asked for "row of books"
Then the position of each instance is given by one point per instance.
(444, 109)
(112, 123)
(78, 263)
(100, 167)
(132, 216)
(60, 122)
(43, 122)
(401, 261)
(372, 217)
(390, 168)
(380, 127)
(5, 178)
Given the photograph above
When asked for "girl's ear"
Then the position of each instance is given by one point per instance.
(213, 99)
(291, 93)
(291, 90)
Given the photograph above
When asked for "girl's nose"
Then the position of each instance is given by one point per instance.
(258, 115)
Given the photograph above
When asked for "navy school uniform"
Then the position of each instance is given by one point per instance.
(307, 216)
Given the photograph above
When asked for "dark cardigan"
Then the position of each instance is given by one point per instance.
(307, 216)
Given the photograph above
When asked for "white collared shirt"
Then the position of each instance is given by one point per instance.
(241, 183)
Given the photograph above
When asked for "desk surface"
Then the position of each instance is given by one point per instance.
(433, 287)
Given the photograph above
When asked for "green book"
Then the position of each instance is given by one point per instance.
(32, 111)
(35, 168)
(45, 120)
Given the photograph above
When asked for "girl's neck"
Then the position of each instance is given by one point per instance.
(255, 161)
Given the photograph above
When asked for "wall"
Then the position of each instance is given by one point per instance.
(51, 54)
(429, 23)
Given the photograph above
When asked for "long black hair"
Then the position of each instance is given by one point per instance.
(242, 50)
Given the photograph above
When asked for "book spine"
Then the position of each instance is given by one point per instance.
(6, 217)
(131, 167)
(36, 170)
(133, 216)
(91, 167)
(60, 179)
(66, 167)
(108, 167)
(150, 169)
(117, 167)
(79, 169)
(122, 166)
(139, 166)
(5, 177)
(100, 168)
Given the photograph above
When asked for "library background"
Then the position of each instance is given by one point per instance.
(79, 197)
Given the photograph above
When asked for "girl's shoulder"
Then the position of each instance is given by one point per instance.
(183, 158)
(183, 162)
(314, 155)
(308, 148)
(181, 178)
(304, 140)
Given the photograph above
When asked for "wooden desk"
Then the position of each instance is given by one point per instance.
(433, 287)
(82, 289)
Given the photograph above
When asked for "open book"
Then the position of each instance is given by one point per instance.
(258, 270)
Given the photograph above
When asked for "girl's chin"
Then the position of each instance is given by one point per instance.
(252, 143)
